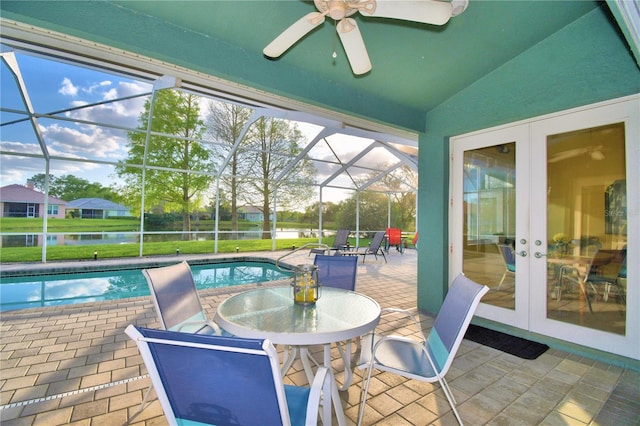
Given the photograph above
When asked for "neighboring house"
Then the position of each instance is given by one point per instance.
(97, 208)
(250, 213)
(25, 201)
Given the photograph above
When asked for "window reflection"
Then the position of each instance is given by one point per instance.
(586, 225)
(489, 221)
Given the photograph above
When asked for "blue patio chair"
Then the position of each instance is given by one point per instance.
(603, 271)
(339, 272)
(621, 280)
(177, 303)
(222, 380)
(509, 258)
(427, 359)
(176, 300)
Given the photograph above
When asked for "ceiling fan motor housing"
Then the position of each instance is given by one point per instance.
(336, 9)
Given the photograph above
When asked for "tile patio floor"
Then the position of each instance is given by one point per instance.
(74, 365)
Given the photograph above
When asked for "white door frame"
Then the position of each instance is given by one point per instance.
(531, 298)
(518, 134)
(627, 111)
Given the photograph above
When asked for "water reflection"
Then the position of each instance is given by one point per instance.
(61, 289)
(35, 240)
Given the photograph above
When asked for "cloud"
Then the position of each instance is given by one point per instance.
(123, 113)
(67, 88)
(89, 142)
(96, 86)
(17, 169)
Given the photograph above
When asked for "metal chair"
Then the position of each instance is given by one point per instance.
(219, 380)
(339, 242)
(427, 359)
(603, 271)
(394, 238)
(176, 299)
(337, 271)
(177, 303)
(375, 248)
(509, 258)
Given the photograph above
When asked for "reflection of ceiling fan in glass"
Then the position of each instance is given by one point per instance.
(423, 11)
(594, 151)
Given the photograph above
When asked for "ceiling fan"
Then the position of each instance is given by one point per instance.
(595, 152)
(433, 12)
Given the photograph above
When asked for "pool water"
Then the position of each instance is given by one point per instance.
(64, 289)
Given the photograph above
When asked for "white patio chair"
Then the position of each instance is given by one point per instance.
(427, 359)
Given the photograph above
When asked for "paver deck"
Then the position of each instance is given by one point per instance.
(74, 365)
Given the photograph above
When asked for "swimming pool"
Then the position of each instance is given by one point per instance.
(20, 292)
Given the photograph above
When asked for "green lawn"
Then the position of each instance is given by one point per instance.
(107, 251)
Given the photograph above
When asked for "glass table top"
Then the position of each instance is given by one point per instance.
(271, 313)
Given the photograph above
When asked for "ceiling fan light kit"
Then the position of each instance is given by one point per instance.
(434, 12)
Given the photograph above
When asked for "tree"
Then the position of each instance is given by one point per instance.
(70, 187)
(373, 212)
(272, 146)
(329, 212)
(178, 166)
(38, 182)
(403, 198)
(225, 122)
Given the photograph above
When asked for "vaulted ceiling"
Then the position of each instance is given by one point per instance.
(416, 66)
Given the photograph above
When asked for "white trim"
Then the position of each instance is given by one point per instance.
(625, 109)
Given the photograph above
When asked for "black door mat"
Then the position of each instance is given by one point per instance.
(513, 345)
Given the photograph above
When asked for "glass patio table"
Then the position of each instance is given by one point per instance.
(270, 313)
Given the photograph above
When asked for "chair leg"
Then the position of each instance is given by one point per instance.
(586, 295)
(504, 276)
(452, 401)
(364, 389)
(144, 400)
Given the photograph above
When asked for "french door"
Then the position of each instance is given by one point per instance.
(540, 213)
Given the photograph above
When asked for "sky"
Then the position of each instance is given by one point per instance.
(64, 88)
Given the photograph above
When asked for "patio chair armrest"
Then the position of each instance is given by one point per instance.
(321, 385)
(204, 324)
(570, 272)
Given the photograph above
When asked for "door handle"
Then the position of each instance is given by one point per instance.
(522, 253)
(538, 255)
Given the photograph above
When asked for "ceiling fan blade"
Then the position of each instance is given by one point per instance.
(291, 35)
(354, 47)
(424, 11)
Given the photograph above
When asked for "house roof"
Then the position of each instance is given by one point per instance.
(95, 204)
(249, 209)
(21, 194)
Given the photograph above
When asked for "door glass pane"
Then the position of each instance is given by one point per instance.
(587, 228)
(489, 221)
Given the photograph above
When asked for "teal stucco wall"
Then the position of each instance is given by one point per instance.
(586, 62)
